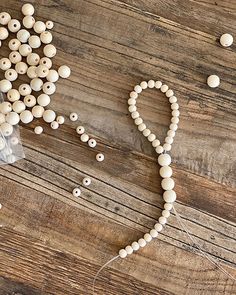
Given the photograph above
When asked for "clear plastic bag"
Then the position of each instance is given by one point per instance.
(11, 149)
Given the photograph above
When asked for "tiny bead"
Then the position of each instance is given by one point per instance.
(165, 171)
(14, 25)
(37, 111)
(162, 220)
(39, 27)
(156, 143)
(49, 24)
(27, 9)
(4, 18)
(158, 227)
(153, 233)
(169, 196)
(159, 149)
(135, 246)
(50, 50)
(164, 160)
(213, 81)
(21, 68)
(92, 143)
(141, 127)
(169, 139)
(24, 89)
(44, 100)
(15, 57)
(133, 95)
(76, 192)
(142, 243)
(31, 72)
(132, 101)
(167, 183)
(138, 121)
(26, 117)
(122, 253)
(135, 115)
(49, 116)
(14, 140)
(144, 85)
(86, 181)
(64, 72)
(164, 88)
(129, 250)
(165, 213)
(171, 133)
(173, 127)
(18, 106)
(175, 106)
(60, 120)
(100, 157)
(5, 85)
(147, 237)
(174, 120)
(3, 33)
(172, 99)
(80, 130)
(167, 147)
(29, 101)
(158, 84)
(38, 130)
(23, 35)
(132, 108)
(151, 84)
(49, 88)
(151, 137)
(28, 21)
(5, 64)
(74, 117)
(175, 113)
(169, 93)
(54, 125)
(146, 132)
(226, 40)
(46, 37)
(138, 89)
(168, 206)
(36, 84)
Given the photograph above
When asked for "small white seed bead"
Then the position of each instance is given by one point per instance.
(27, 9)
(60, 120)
(162, 220)
(175, 106)
(76, 192)
(135, 115)
(23, 35)
(25, 49)
(164, 160)
(49, 24)
(173, 127)
(171, 133)
(6, 129)
(26, 117)
(169, 139)
(52, 76)
(146, 132)
(141, 127)
(158, 84)
(135, 246)
(147, 237)
(133, 95)
(153, 233)
(122, 253)
(132, 108)
(54, 125)
(151, 137)
(172, 99)
(39, 27)
(100, 157)
(84, 137)
(166, 172)
(24, 89)
(42, 71)
(164, 88)
(138, 121)
(169, 196)
(213, 81)
(138, 88)
(151, 84)
(129, 250)
(92, 143)
(46, 62)
(14, 25)
(142, 243)
(33, 59)
(144, 85)
(36, 84)
(5, 107)
(175, 113)
(165, 213)
(226, 40)
(74, 117)
(158, 227)
(156, 143)
(159, 149)
(174, 120)
(86, 181)
(31, 72)
(49, 116)
(80, 130)
(168, 206)
(37, 111)
(38, 130)
(169, 93)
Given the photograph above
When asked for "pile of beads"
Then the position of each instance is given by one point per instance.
(84, 137)
(23, 105)
(164, 158)
(77, 191)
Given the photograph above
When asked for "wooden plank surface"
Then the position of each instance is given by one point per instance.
(53, 243)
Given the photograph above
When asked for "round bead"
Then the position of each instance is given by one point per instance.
(168, 206)
(5, 107)
(24, 89)
(49, 116)
(31, 72)
(14, 140)
(158, 84)
(3, 33)
(164, 88)
(84, 137)
(38, 130)
(172, 99)
(165, 213)
(135, 115)
(226, 40)
(80, 130)
(165, 171)
(100, 157)
(144, 85)
(138, 89)
(131, 101)
(5, 64)
(52, 76)
(14, 25)
(92, 143)
(173, 127)
(21, 68)
(49, 24)
(54, 125)
(33, 59)
(42, 71)
(15, 57)
(49, 88)
(39, 27)
(23, 35)
(50, 50)
(169, 196)
(25, 49)
(11, 75)
(4, 18)
(151, 84)
(122, 253)
(74, 117)
(162, 220)
(164, 160)
(133, 95)
(12, 118)
(147, 237)
(46, 62)
(76, 192)
(34, 41)
(174, 120)
(2, 117)
(46, 37)
(86, 181)
(151, 137)
(156, 143)
(26, 117)
(30, 101)
(169, 93)
(5, 85)
(36, 84)
(14, 44)
(213, 81)
(64, 71)
(135, 246)
(141, 127)
(159, 149)
(138, 121)
(146, 132)
(175, 106)
(153, 233)
(28, 21)
(27, 9)
(175, 113)
(18, 106)
(132, 108)
(142, 243)
(167, 183)
(37, 111)
(171, 133)
(129, 250)
(158, 227)
(6, 129)
(60, 120)
(44, 100)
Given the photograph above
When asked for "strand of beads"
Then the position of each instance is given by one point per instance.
(164, 158)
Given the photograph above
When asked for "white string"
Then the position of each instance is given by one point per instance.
(101, 268)
(208, 257)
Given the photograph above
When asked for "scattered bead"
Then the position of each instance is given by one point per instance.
(80, 130)
(5, 107)
(28, 21)
(29, 101)
(100, 157)
(84, 137)
(92, 143)
(3, 33)
(54, 125)
(34, 41)
(60, 120)
(5, 64)
(49, 116)
(147, 237)
(38, 130)
(12, 118)
(122, 253)
(86, 181)
(135, 246)
(49, 24)
(74, 117)
(226, 40)
(23, 35)
(164, 160)
(15, 57)
(76, 192)
(49, 88)
(64, 71)
(18, 106)
(46, 37)
(213, 81)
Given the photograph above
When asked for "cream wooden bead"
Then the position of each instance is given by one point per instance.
(14, 140)
(50, 50)
(132, 108)
(84, 137)
(147, 237)
(146, 132)
(151, 137)
(14, 25)
(74, 117)
(23, 35)
(34, 41)
(100, 157)
(226, 40)
(52, 76)
(3, 33)
(138, 121)
(14, 44)
(131, 101)
(36, 84)
(49, 88)
(26, 117)
(25, 49)
(46, 62)
(164, 160)
(76, 192)
(141, 127)
(165, 213)
(158, 227)
(6, 129)
(158, 84)
(27, 9)
(18, 106)
(144, 85)
(0, 43)
(49, 116)
(64, 72)
(173, 99)
(33, 59)
(60, 120)
(54, 125)
(167, 147)
(169, 196)
(162, 220)
(11, 75)
(175, 106)
(92, 143)
(2, 117)
(169, 93)
(21, 68)
(12, 118)
(122, 253)
(156, 143)
(129, 250)
(135, 115)
(80, 130)
(86, 181)
(5, 85)
(168, 206)
(169, 139)
(135, 246)
(43, 100)
(46, 37)
(153, 233)
(39, 27)
(4, 18)
(167, 183)
(159, 149)
(31, 72)
(5, 107)
(175, 113)
(15, 57)
(151, 84)
(164, 88)
(173, 126)
(171, 133)
(5, 64)
(38, 111)
(174, 120)
(142, 243)
(138, 89)
(213, 81)
(30, 101)
(49, 24)
(28, 21)
(25, 89)
(42, 71)
(133, 95)
(38, 130)
(166, 171)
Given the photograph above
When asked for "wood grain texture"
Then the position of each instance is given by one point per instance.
(53, 243)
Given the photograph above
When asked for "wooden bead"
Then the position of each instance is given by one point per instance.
(38, 130)
(14, 44)
(5, 85)
(18, 106)
(4, 18)
(46, 62)
(135, 115)
(226, 40)
(132, 108)
(23, 35)
(49, 24)
(164, 160)
(153, 233)
(168, 206)
(147, 237)
(25, 49)
(173, 127)
(133, 95)
(171, 133)
(141, 127)
(165, 213)
(80, 130)
(50, 50)
(158, 227)
(167, 183)
(167, 147)
(38, 111)
(129, 250)
(43, 100)
(100, 157)
(159, 149)
(34, 41)
(122, 253)
(165, 171)
(142, 243)
(36, 84)
(14, 25)
(5, 107)
(52, 76)
(162, 220)
(27, 9)
(6, 129)
(84, 137)
(175, 106)
(3, 33)
(144, 85)
(131, 101)
(28, 21)
(49, 116)
(30, 101)
(86, 181)
(74, 117)
(15, 57)
(21, 68)
(12, 118)
(39, 27)
(164, 88)
(49, 88)
(138, 89)
(156, 143)
(169, 196)
(11, 75)
(76, 192)
(26, 117)
(46, 37)
(92, 143)
(174, 120)
(213, 81)
(5, 64)
(146, 132)
(25, 89)
(172, 99)
(158, 84)
(42, 71)
(135, 246)
(31, 72)
(33, 59)
(151, 84)
(175, 113)
(169, 93)
(54, 125)
(64, 72)
(60, 120)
